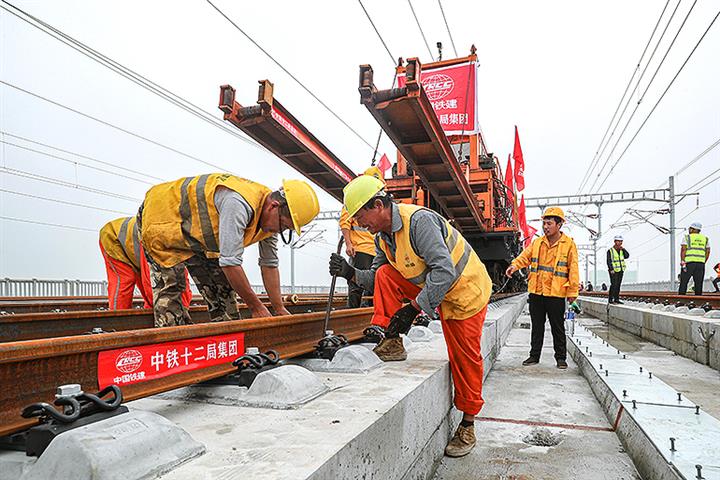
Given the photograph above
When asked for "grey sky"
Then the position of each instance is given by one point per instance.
(555, 69)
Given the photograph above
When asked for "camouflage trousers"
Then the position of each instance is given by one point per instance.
(169, 283)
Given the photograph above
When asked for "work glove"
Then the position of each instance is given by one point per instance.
(340, 267)
(401, 321)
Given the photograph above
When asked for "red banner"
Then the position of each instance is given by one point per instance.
(452, 90)
(126, 366)
(519, 163)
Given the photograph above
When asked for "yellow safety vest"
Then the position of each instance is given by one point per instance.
(560, 268)
(179, 219)
(472, 288)
(361, 238)
(696, 246)
(618, 260)
(121, 241)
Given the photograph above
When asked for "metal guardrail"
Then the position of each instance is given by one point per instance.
(33, 287)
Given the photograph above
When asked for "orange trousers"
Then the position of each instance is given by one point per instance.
(122, 279)
(461, 336)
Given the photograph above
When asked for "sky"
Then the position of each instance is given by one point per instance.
(557, 70)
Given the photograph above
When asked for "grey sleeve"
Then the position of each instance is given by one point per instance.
(268, 252)
(235, 214)
(427, 236)
(366, 278)
(625, 253)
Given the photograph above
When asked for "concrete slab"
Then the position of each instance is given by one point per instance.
(520, 400)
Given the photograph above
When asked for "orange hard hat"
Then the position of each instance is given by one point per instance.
(554, 212)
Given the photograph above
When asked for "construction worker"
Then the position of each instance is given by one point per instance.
(716, 280)
(126, 265)
(359, 245)
(421, 257)
(554, 277)
(204, 223)
(616, 256)
(694, 252)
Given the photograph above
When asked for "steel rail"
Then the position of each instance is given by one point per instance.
(31, 326)
(661, 297)
(31, 370)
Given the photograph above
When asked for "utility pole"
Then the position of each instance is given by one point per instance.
(671, 204)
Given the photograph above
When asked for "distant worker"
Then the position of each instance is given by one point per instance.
(421, 257)
(589, 287)
(694, 252)
(615, 259)
(603, 287)
(359, 246)
(126, 265)
(204, 223)
(716, 280)
(554, 277)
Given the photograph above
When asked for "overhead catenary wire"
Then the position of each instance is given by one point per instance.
(290, 74)
(412, 9)
(47, 224)
(108, 124)
(642, 96)
(642, 125)
(593, 162)
(452, 42)
(126, 72)
(64, 202)
(80, 155)
(377, 32)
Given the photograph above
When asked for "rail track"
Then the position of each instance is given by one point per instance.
(667, 298)
(31, 370)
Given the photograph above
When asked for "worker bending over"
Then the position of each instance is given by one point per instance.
(359, 246)
(422, 262)
(694, 252)
(615, 259)
(204, 223)
(554, 277)
(716, 280)
(126, 265)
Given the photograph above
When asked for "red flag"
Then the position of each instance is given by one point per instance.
(522, 217)
(384, 164)
(509, 179)
(519, 163)
(530, 235)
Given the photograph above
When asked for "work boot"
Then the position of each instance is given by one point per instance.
(462, 442)
(531, 361)
(391, 350)
(561, 364)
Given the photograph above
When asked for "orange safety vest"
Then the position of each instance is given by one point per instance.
(361, 238)
(120, 240)
(179, 219)
(472, 288)
(560, 268)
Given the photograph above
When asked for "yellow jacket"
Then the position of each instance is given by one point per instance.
(362, 240)
(119, 238)
(179, 219)
(553, 270)
(472, 288)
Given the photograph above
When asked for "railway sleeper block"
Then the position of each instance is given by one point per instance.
(350, 359)
(103, 449)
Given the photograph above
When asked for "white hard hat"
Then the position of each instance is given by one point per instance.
(696, 225)
(619, 237)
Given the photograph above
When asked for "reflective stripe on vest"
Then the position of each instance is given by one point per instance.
(559, 270)
(618, 260)
(696, 246)
(471, 287)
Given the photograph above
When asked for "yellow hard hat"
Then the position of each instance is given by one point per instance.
(554, 212)
(374, 172)
(359, 191)
(302, 202)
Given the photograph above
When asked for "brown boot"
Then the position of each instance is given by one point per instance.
(462, 442)
(391, 350)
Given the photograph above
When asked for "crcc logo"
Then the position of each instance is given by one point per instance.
(129, 361)
(438, 86)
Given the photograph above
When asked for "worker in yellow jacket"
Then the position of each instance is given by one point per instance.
(359, 245)
(204, 223)
(554, 277)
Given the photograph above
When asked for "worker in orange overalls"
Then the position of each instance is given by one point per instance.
(422, 262)
(126, 265)
(554, 277)
(359, 246)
